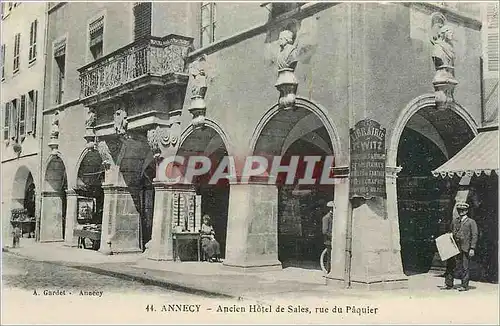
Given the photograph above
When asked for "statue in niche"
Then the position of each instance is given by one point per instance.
(199, 78)
(287, 57)
(443, 53)
(54, 130)
(91, 119)
(121, 122)
(443, 56)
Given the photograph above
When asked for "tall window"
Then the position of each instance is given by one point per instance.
(60, 65)
(6, 121)
(13, 123)
(33, 31)
(208, 23)
(17, 48)
(32, 112)
(22, 116)
(3, 61)
(96, 32)
(142, 19)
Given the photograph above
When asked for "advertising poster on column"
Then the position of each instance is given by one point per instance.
(367, 173)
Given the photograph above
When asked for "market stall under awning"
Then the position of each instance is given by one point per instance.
(479, 156)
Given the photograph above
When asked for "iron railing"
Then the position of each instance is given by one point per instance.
(151, 56)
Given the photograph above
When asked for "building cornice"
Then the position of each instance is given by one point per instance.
(62, 106)
(450, 13)
(304, 11)
(57, 6)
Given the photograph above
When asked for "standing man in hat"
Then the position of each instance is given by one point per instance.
(464, 230)
(327, 223)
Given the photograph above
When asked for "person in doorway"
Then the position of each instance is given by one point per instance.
(16, 235)
(464, 231)
(209, 246)
(327, 227)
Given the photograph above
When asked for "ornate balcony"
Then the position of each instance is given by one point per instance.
(153, 62)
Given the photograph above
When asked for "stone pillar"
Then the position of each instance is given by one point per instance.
(376, 252)
(52, 216)
(252, 231)
(340, 238)
(71, 218)
(161, 237)
(120, 220)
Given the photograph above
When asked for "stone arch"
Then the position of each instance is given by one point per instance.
(423, 101)
(422, 139)
(53, 216)
(210, 141)
(23, 198)
(209, 123)
(319, 111)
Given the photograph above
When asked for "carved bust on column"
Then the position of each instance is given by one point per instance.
(286, 61)
(198, 106)
(121, 122)
(89, 128)
(443, 56)
(54, 132)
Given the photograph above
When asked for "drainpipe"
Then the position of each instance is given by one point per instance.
(40, 125)
(350, 95)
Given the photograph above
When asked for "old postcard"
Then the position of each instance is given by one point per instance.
(175, 162)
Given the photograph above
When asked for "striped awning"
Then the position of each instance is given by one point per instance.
(479, 156)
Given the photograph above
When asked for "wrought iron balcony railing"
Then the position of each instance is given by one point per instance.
(152, 56)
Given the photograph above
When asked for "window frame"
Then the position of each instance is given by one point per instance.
(57, 89)
(33, 36)
(6, 122)
(209, 27)
(16, 65)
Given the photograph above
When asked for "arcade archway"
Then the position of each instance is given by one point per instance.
(299, 132)
(208, 142)
(90, 196)
(425, 203)
(22, 204)
(53, 220)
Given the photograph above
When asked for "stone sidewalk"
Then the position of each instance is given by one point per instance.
(212, 279)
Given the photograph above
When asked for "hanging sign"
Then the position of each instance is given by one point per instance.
(367, 169)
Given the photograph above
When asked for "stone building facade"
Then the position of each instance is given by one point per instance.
(131, 84)
(23, 64)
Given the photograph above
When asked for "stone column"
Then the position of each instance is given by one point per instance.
(252, 230)
(340, 238)
(161, 237)
(71, 218)
(52, 215)
(376, 252)
(120, 220)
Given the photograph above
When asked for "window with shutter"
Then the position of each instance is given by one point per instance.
(6, 121)
(142, 19)
(207, 23)
(33, 32)
(96, 32)
(30, 112)
(35, 112)
(17, 44)
(22, 116)
(3, 61)
(492, 37)
(13, 125)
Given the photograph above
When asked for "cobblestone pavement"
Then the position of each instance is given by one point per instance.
(116, 300)
(70, 295)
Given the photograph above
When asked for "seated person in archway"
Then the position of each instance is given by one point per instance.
(209, 246)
